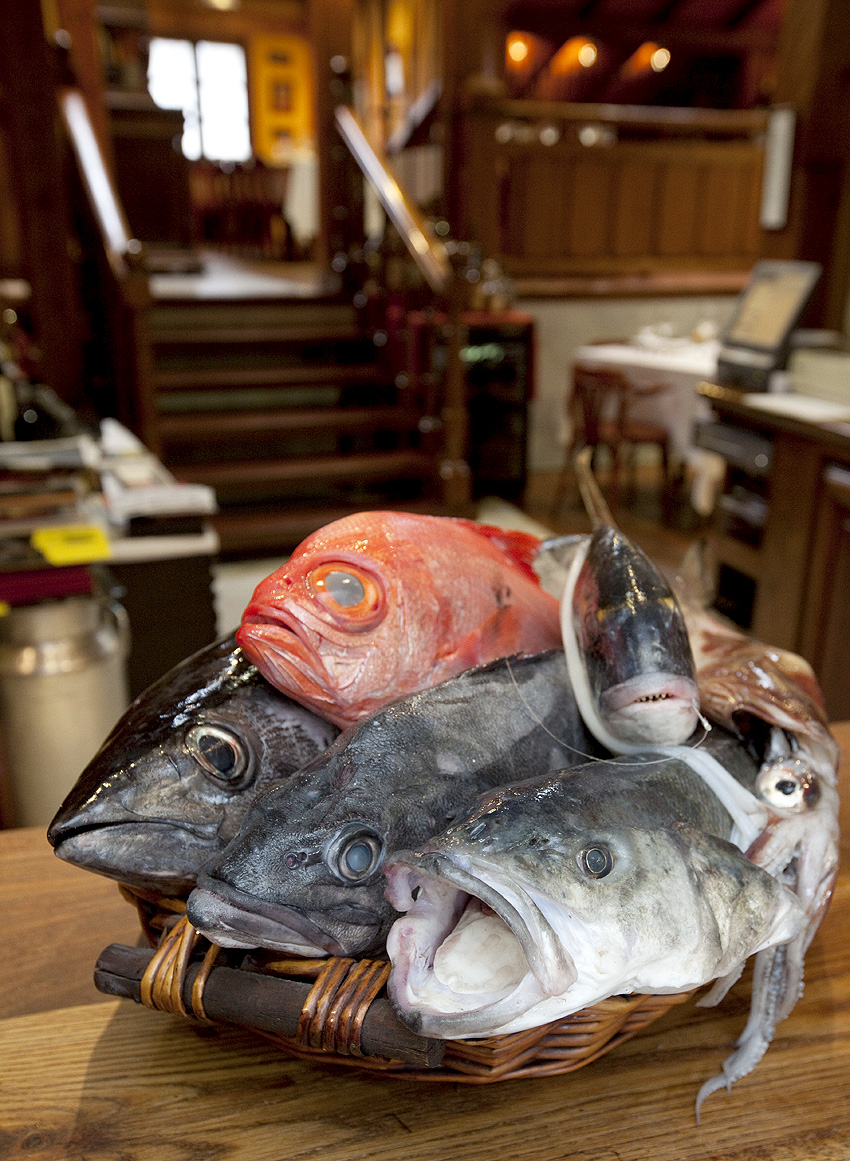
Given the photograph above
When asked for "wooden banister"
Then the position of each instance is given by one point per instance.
(429, 254)
(123, 251)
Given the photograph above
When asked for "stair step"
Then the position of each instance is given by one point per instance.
(375, 465)
(297, 376)
(212, 315)
(214, 425)
(262, 530)
(245, 335)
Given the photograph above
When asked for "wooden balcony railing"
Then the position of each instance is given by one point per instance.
(557, 190)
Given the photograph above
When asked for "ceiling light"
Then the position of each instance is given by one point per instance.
(659, 60)
(587, 54)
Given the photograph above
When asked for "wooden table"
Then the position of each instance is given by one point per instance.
(82, 1077)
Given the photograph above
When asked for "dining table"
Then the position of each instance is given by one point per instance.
(87, 1077)
(676, 364)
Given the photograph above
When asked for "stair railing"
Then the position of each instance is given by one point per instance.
(124, 255)
(432, 258)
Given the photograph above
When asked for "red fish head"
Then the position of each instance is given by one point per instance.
(341, 623)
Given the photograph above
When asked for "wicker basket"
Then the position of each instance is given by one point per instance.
(338, 1010)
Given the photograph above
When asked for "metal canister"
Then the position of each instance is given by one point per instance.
(63, 685)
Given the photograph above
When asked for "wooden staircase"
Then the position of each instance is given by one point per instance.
(291, 411)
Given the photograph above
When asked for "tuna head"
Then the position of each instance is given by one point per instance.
(305, 875)
(382, 604)
(536, 906)
(170, 785)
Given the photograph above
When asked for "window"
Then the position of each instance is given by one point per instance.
(208, 81)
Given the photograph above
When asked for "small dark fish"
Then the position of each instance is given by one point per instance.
(627, 875)
(305, 873)
(170, 785)
(625, 640)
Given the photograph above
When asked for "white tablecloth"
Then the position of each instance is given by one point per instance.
(680, 365)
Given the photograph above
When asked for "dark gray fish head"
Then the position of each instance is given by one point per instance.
(543, 901)
(305, 874)
(170, 785)
(627, 647)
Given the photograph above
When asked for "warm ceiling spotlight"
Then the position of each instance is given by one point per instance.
(659, 60)
(518, 47)
(587, 54)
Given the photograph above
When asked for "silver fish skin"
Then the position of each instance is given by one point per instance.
(626, 644)
(613, 877)
(170, 785)
(305, 873)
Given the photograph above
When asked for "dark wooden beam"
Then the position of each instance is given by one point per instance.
(30, 114)
(814, 79)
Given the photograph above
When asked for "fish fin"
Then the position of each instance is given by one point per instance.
(693, 585)
(591, 494)
(553, 561)
(495, 637)
(520, 547)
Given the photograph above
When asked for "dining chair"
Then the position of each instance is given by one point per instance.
(598, 406)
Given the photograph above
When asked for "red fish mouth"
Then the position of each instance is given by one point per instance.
(281, 652)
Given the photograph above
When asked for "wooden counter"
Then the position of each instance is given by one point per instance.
(800, 571)
(82, 1077)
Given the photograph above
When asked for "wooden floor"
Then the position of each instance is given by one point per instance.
(664, 530)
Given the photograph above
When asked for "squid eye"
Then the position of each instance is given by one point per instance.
(596, 861)
(344, 587)
(354, 853)
(789, 785)
(222, 755)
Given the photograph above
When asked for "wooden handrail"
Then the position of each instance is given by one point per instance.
(122, 249)
(429, 254)
(666, 119)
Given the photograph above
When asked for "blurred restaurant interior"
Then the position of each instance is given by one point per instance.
(264, 263)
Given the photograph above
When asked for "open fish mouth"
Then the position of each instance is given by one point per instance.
(658, 708)
(467, 955)
(233, 918)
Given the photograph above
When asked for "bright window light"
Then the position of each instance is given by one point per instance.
(208, 82)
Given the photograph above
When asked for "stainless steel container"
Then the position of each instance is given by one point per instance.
(63, 686)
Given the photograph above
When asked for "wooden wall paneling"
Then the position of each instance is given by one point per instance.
(36, 164)
(543, 193)
(718, 231)
(590, 209)
(678, 202)
(634, 208)
(795, 479)
(484, 169)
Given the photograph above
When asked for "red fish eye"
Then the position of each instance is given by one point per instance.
(346, 590)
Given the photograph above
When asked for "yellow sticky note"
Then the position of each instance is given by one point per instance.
(72, 544)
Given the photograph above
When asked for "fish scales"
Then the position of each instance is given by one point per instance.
(391, 781)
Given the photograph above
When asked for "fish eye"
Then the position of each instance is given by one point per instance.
(346, 591)
(221, 754)
(354, 853)
(344, 587)
(789, 784)
(596, 861)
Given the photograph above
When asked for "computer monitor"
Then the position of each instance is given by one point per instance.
(756, 339)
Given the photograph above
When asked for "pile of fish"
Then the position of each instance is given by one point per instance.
(543, 794)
